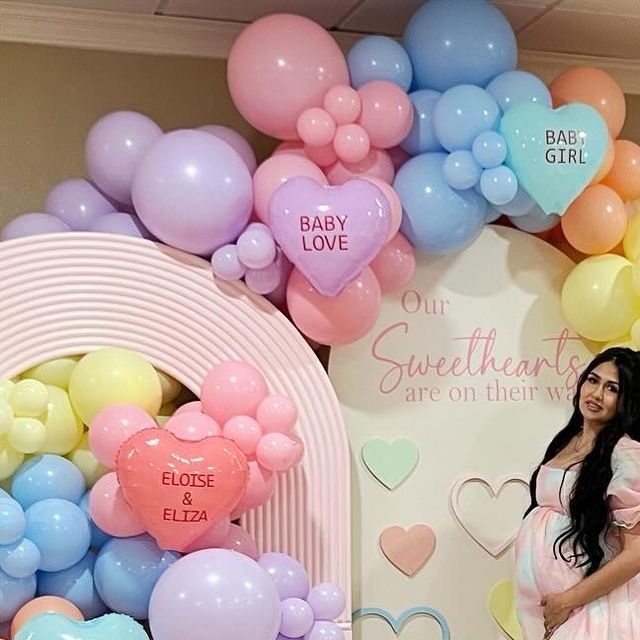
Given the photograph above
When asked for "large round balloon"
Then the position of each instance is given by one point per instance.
(461, 42)
(279, 66)
(215, 589)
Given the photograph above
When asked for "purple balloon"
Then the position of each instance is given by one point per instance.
(279, 295)
(193, 191)
(323, 630)
(123, 224)
(114, 149)
(235, 141)
(263, 281)
(225, 263)
(297, 617)
(214, 591)
(32, 224)
(256, 246)
(327, 601)
(290, 577)
(78, 203)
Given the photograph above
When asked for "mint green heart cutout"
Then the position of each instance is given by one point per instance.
(390, 462)
(53, 626)
(535, 156)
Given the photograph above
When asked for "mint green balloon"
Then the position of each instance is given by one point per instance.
(554, 153)
(53, 626)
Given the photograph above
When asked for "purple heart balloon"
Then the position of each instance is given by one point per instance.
(329, 233)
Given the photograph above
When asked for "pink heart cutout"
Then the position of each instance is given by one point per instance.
(330, 233)
(178, 488)
(410, 549)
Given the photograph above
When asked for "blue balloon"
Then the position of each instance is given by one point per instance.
(499, 185)
(20, 560)
(459, 42)
(126, 572)
(422, 138)
(47, 476)
(14, 593)
(436, 218)
(76, 585)
(519, 206)
(461, 171)
(515, 87)
(12, 521)
(60, 530)
(536, 221)
(98, 537)
(491, 215)
(379, 58)
(489, 149)
(463, 113)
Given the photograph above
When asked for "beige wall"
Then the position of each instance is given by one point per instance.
(50, 97)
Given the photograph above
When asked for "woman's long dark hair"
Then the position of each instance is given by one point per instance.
(588, 509)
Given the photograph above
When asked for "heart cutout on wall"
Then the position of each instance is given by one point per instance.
(391, 463)
(408, 549)
(502, 604)
(398, 623)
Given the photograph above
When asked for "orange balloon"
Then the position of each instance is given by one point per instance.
(596, 220)
(557, 239)
(595, 88)
(607, 163)
(624, 176)
(44, 604)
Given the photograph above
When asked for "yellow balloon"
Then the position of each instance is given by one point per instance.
(6, 388)
(113, 376)
(631, 241)
(55, 372)
(10, 459)
(26, 435)
(63, 427)
(598, 298)
(29, 398)
(83, 458)
(622, 341)
(6, 416)
(171, 388)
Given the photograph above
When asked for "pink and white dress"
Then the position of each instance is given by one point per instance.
(538, 573)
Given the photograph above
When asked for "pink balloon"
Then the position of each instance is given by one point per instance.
(232, 389)
(275, 171)
(398, 156)
(113, 426)
(292, 147)
(387, 113)
(394, 202)
(241, 541)
(322, 156)
(259, 489)
(192, 426)
(395, 264)
(299, 448)
(236, 141)
(277, 413)
(110, 510)
(351, 143)
(377, 164)
(316, 127)
(339, 320)
(343, 104)
(212, 538)
(245, 432)
(180, 488)
(189, 407)
(279, 66)
(276, 452)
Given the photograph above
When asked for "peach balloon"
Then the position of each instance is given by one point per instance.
(377, 164)
(351, 143)
(316, 127)
(596, 220)
(322, 156)
(44, 604)
(607, 163)
(624, 177)
(274, 172)
(595, 88)
(294, 147)
(339, 320)
(394, 265)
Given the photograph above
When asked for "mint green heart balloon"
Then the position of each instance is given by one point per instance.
(53, 626)
(554, 154)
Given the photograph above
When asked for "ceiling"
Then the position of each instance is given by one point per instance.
(607, 28)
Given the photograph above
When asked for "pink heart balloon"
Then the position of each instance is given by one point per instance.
(330, 233)
(178, 488)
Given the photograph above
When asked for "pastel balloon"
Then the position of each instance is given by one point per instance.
(461, 171)
(297, 617)
(334, 320)
(236, 141)
(351, 143)
(377, 164)
(213, 537)
(394, 204)
(26, 435)
(290, 577)
(624, 176)
(98, 537)
(193, 171)
(114, 149)
(499, 185)
(12, 521)
(259, 489)
(274, 172)
(226, 264)
(122, 224)
(85, 460)
(192, 426)
(279, 66)
(422, 137)
(316, 127)
(515, 87)
(110, 510)
(327, 600)
(276, 452)
(113, 376)
(267, 279)
(379, 58)
(189, 407)
(32, 224)
(343, 104)
(77, 203)
(256, 248)
(63, 428)
(29, 398)
(245, 432)
(395, 264)
(277, 413)
(239, 540)
(52, 626)
(21, 559)
(398, 156)
(54, 372)
(489, 149)
(10, 459)
(607, 163)
(232, 388)
(519, 205)
(535, 221)
(322, 156)
(462, 42)
(325, 630)
(44, 604)
(595, 88)
(14, 593)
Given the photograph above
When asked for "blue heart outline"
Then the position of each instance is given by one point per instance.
(397, 623)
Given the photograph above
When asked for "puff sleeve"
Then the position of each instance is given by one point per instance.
(623, 493)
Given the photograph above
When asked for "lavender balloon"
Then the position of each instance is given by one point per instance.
(32, 224)
(290, 577)
(256, 246)
(297, 617)
(263, 281)
(78, 203)
(114, 149)
(193, 191)
(225, 263)
(323, 630)
(214, 593)
(235, 141)
(327, 601)
(123, 224)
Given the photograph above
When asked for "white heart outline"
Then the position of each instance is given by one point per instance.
(494, 487)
